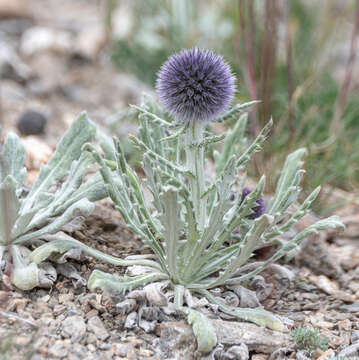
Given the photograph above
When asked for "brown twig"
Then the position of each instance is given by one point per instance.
(249, 50)
(268, 56)
(289, 58)
(345, 86)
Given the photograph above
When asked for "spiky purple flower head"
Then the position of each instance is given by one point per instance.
(257, 210)
(195, 85)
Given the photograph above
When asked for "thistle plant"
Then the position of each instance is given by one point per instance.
(203, 229)
(27, 219)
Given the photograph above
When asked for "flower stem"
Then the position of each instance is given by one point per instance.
(195, 164)
(194, 135)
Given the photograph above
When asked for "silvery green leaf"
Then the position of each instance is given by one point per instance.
(22, 223)
(203, 330)
(172, 224)
(14, 159)
(106, 144)
(237, 109)
(288, 182)
(25, 275)
(232, 143)
(298, 214)
(74, 179)
(61, 242)
(117, 284)
(67, 195)
(252, 240)
(244, 208)
(82, 207)
(331, 222)
(209, 140)
(152, 132)
(153, 117)
(234, 218)
(221, 202)
(152, 181)
(258, 316)
(256, 145)
(43, 200)
(290, 246)
(175, 135)
(161, 160)
(38, 215)
(93, 190)
(9, 208)
(214, 262)
(67, 150)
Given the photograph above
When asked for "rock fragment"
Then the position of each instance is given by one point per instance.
(255, 337)
(32, 122)
(237, 352)
(177, 341)
(74, 327)
(96, 326)
(131, 320)
(59, 349)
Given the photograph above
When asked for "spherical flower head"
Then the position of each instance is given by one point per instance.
(195, 85)
(257, 210)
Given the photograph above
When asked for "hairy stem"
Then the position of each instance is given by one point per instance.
(178, 296)
(195, 164)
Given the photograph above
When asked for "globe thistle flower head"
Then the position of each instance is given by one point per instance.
(195, 85)
(257, 210)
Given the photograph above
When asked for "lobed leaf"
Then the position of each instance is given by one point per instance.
(117, 284)
(67, 150)
(171, 222)
(288, 183)
(232, 143)
(82, 207)
(25, 275)
(203, 330)
(13, 160)
(61, 242)
(9, 208)
(258, 316)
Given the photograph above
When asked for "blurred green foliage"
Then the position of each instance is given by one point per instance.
(308, 339)
(299, 88)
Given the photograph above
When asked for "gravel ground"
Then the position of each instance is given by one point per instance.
(69, 322)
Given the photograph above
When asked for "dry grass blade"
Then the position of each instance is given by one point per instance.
(344, 89)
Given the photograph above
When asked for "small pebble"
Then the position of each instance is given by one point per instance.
(32, 123)
(65, 298)
(131, 320)
(59, 349)
(74, 327)
(354, 336)
(96, 326)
